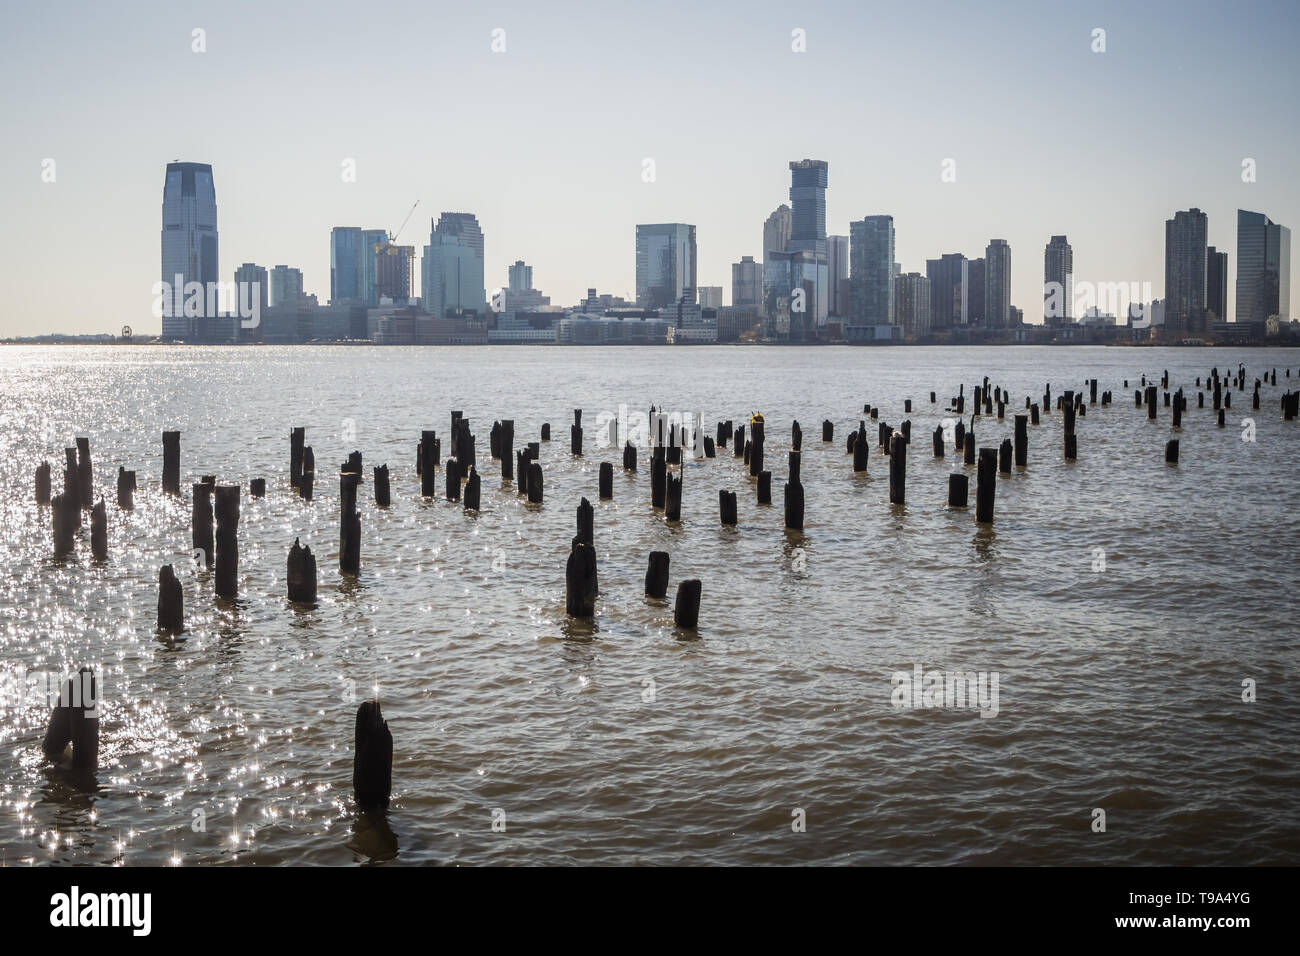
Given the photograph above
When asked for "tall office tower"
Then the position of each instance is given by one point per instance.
(286, 286)
(372, 241)
(189, 237)
(949, 285)
(790, 284)
(665, 264)
(521, 277)
(808, 179)
(1263, 268)
(710, 297)
(837, 270)
(871, 274)
(997, 284)
(451, 277)
(1185, 246)
(776, 231)
(975, 272)
(1058, 282)
(249, 273)
(1216, 282)
(393, 268)
(747, 283)
(464, 225)
(912, 304)
(347, 265)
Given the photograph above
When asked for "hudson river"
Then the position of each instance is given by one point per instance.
(1125, 607)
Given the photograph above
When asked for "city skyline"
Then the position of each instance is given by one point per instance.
(567, 210)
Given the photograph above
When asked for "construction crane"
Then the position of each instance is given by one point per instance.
(392, 236)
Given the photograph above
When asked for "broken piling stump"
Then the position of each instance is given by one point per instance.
(171, 476)
(227, 558)
(656, 575)
(201, 534)
(171, 601)
(349, 523)
(764, 487)
(372, 759)
(301, 574)
(686, 612)
(606, 480)
(383, 495)
(1171, 452)
(534, 483)
(727, 507)
(75, 720)
(43, 483)
(472, 490)
(897, 469)
(580, 580)
(986, 485)
(99, 532)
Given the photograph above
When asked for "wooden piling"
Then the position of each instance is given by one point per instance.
(861, 448)
(227, 557)
(673, 498)
(986, 484)
(546, 431)
(969, 452)
(74, 720)
(586, 522)
(301, 575)
(575, 433)
(1021, 444)
(1004, 457)
(1171, 452)
(828, 430)
(629, 457)
(171, 477)
(171, 601)
(580, 580)
(506, 448)
(85, 475)
(307, 480)
(764, 487)
(534, 483)
(99, 532)
(897, 469)
(453, 479)
(201, 533)
(727, 507)
(658, 477)
(297, 438)
(686, 612)
(656, 575)
(43, 483)
(1071, 447)
(473, 490)
(372, 759)
(938, 441)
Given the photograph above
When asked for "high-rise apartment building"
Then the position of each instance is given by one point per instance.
(1216, 283)
(747, 283)
(1058, 282)
(871, 275)
(1185, 245)
(189, 237)
(997, 284)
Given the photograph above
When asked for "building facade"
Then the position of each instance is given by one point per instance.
(1058, 282)
(665, 264)
(189, 236)
(997, 284)
(1263, 268)
(1185, 245)
(871, 274)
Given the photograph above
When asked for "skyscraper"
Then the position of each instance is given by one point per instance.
(1216, 282)
(1263, 268)
(776, 231)
(665, 264)
(451, 277)
(286, 286)
(997, 284)
(912, 304)
(189, 236)
(808, 179)
(746, 283)
(521, 276)
(1185, 244)
(975, 289)
(1058, 282)
(837, 269)
(373, 241)
(347, 265)
(949, 285)
(249, 273)
(871, 275)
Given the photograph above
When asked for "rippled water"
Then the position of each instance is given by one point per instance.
(626, 740)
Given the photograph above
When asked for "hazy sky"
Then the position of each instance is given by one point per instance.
(545, 142)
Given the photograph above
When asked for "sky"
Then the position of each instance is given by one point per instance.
(546, 141)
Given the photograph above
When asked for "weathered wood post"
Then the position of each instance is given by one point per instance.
(686, 613)
(257, 487)
(85, 475)
(1151, 402)
(1071, 447)
(171, 601)
(534, 483)
(453, 479)
(171, 479)
(606, 480)
(710, 450)
(756, 430)
(897, 469)
(629, 457)
(828, 430)
(1177, 409)
(473, 490)
(301, 574)
(1021, 444)
(727, 506)
(227, 560)
(738, 441)
(428, 464)
(969, 452)
(796, 436)
(1033, 414)
(986, 485)
(201, 535)
(794, 502)
(586, 522)
(1221, 414)
(938, 441)
(673, 498)
(1171, 452)
(75, 720)
(43, 483)
(382, 493)
(506, 448)
(307, 480)
(349, 523)
(1004, 457)
(297, 438)
(546, 431)
(71, 489)
(656, 575)
(580, 580)
(764, 487)
(861, 448)
(575, 433)
(372, 759)
(99, 531)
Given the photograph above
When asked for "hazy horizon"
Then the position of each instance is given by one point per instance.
(545, 142)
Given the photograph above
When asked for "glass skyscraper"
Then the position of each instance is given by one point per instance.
(1263, 268)
(808, 178)
(189, 237)
(871, 275)
(665, 264)
(347, 265)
